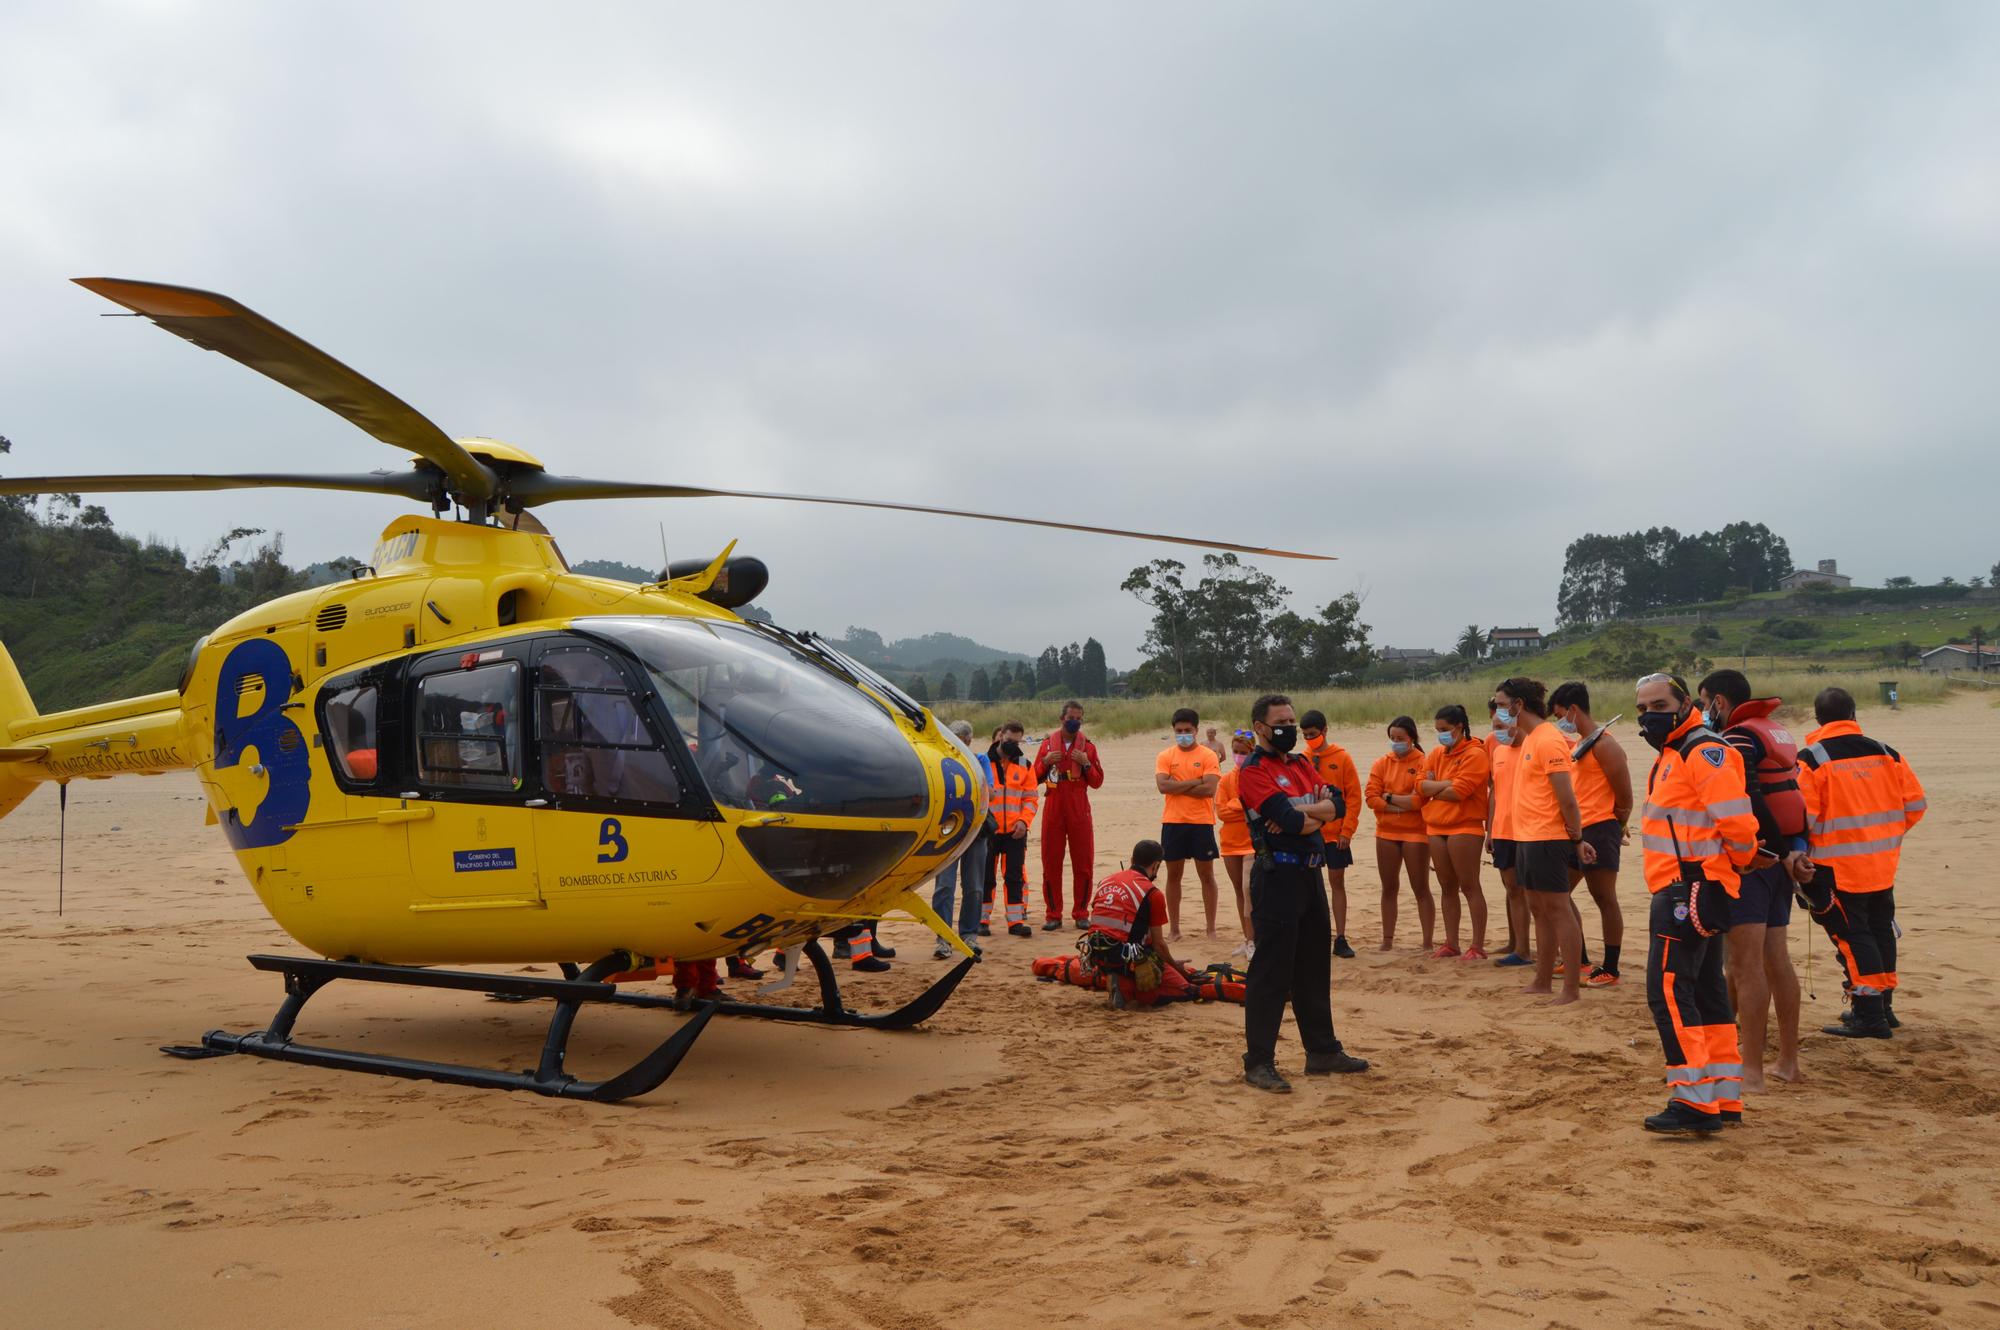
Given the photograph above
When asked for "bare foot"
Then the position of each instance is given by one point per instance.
(1543, 989)
(1560, 1000)
(1753, 1082)
(1789, 1073)
(1387, 945)
(1174, 936)
(1211, 932)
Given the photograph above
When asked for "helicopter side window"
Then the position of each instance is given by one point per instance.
(351, 733)
(594, 743)
(468, 728)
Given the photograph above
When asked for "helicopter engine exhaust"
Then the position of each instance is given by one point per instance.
(741, 580)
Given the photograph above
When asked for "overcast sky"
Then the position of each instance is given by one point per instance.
(1432, 288)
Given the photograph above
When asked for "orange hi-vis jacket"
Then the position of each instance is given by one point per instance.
(1015, 795)
(1337, 771)
(1697, 781)
(1396, 775)
(1861, 797)
(1467, 767)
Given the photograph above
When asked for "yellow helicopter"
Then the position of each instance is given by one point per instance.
(467, 753)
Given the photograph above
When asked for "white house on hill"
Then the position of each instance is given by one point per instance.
(1827, 574)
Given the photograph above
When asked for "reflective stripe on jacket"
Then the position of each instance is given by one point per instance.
(1861, 798)
(1114, 906)
(1697, 820)
(1015, 795)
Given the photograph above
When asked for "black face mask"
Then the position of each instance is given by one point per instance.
(1284, 737)
(1012, 751)
(1655, 726)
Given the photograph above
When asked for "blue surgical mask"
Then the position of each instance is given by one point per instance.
(1399, 748)
(1446, 738)
(1504, 718)
(1184, 740)
(1566, 726)
(1502, 735)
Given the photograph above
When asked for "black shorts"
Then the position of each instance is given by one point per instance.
(1503, 854)
(1607, 838)
(1337, 859)
(1543, 865)
(1763, 897)
(1188, 840)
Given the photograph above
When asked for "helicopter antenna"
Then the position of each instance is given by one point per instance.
(62, 841)
(664, 560)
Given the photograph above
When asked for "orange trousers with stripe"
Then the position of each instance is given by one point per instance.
(1689, 996)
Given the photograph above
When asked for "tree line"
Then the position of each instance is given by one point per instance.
(1076, 670)
(1625, 576)
(1232, 627)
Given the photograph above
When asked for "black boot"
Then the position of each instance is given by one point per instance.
(1680, 1119)
(1888, 1010)
(1871, 1019)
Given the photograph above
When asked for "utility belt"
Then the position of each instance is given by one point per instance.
(1699, 904)
(1286, 859)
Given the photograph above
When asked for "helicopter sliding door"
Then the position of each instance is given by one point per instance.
(627, 814)
(470, 761)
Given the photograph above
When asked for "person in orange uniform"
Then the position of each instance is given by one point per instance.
(1067, 764)
(1501, 753)
(1336, 768)
(1698, 834)
(1126, 934)
(1014, 807)
(1861, 799)
(1401, 840)
(1603, 781)
(1188, 774)
(1548, 835)
(1236, 846)
(1455, 777)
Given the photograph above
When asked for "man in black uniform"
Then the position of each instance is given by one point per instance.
(1285, 805)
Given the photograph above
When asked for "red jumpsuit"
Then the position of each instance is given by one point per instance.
(1066, 818)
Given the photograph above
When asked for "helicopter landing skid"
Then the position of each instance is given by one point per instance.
(831, 1010)
(305, 977)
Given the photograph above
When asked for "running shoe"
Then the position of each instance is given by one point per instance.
(1444, 953)
(1341, 949)
(1510, 959)
(1599, 977)
(1473, 954)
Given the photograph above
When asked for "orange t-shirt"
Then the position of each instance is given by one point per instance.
(1396, 775)
(1505, 756)
(1537, 815)
(1467, 767)
(1593, 787)
(1179, 763)
(1235, 827)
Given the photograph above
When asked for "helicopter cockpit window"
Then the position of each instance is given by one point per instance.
(594, 742)
(468, 728)
(770, 728)
(350, 729)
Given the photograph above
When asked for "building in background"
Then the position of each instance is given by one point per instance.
(1955, 659)
(1514, 641)
(1827, 574)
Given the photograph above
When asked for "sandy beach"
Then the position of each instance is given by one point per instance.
(1028, 1158)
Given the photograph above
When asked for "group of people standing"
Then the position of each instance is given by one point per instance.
(1737, 818)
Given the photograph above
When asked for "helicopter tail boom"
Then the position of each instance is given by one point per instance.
(134, 736)
(15, 705)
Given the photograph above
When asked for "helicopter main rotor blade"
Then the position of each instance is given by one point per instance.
(540, 487)
(406, 484)
(217, 323)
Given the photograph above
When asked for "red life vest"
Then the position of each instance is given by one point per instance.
(1777, 776)
(1114, 906)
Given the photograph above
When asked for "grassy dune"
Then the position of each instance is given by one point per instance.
(1112, 718)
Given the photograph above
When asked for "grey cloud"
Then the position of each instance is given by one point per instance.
(1435, 288)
